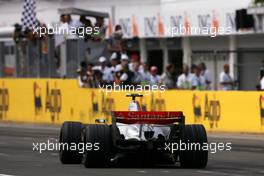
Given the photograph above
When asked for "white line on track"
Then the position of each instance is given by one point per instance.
(5, 175)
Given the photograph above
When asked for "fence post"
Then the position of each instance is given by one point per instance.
(51, 58)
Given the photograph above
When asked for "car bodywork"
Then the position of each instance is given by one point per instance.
(137, 135)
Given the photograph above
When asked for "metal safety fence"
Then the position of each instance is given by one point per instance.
(43, 58)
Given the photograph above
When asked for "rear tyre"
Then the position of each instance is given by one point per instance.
(100, 138)
(195, 157)
(70, 133)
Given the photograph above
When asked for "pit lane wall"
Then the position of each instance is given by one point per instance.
(57, 100)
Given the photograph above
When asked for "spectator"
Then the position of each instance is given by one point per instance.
(124, 61)
(107, 76)
(66, 26)
(114, 62)
(206, 74)
(99, 23)
(261, 71)
(193, 67)
(82, 75)
(135, 60)
(86, 23)
(262, 83)
(98, 81)
(71, 24)
(154, 77)
(198, 81)
(123, 74)
(260, 77)
(138, 76)
(167, 77)
(90, 74)
(226, 81)
(116, 41)
(18, 34)
(185, 79)
(145, 74)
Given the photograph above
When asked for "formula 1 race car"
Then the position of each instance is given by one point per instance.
(135, 136)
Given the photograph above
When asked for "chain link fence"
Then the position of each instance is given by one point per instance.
(42, 59)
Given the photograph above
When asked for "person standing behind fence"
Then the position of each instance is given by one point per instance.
(207, 75)
(226, 81)
(184, 81)
(262, 83)
(197, 80)
(107, 75)
(154, 77)
(99, 36)
(138, 76)
(123, 75)
(145, 74)
(83, 75)
(167, 78)
(86, 23)
(72, 25)
(134, 61)
(115, 43)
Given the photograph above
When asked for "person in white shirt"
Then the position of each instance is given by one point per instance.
(123, 75)
(260, 86)
(82, 75)
(107, 75)
(206, 74)
(134, 61)
(197, 80)
(262, 83)
(145, 73)
(185, 79)
(168, 78)
(138, 76)
(226, 81)
(73, 25)
(124, 62)
(154, 77)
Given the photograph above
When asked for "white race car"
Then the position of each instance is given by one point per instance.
(146, 137)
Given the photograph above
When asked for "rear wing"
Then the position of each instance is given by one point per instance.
(143, 117)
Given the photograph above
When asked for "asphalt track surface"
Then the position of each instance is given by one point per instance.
(18, 158)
